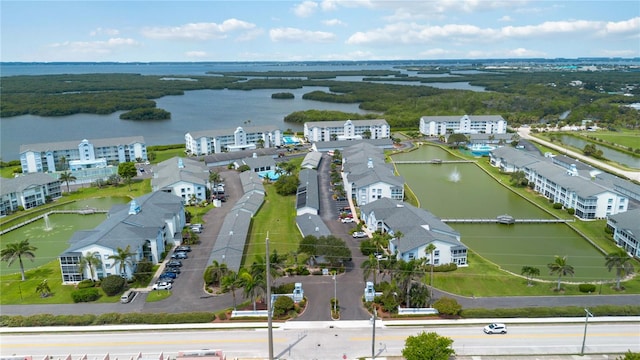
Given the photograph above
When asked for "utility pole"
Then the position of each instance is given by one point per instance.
(268, 277)
(373, 337)
(335, 294)
(584, 337)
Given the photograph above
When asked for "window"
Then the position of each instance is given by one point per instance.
(436, 253)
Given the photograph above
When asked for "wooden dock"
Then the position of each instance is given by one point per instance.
(504, 221)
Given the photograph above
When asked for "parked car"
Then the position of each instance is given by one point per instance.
(168, 275)
(359, 234)
(174, 263)
(183, 248)
(180, 255)
(495, 328)
(175, 270)
(162, 285)
(347, 220)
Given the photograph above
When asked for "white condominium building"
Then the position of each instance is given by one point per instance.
(86, 154)
(216, 141)
(476, 124)
(346, 130)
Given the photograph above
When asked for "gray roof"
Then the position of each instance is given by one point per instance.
(628, 221)
(225, 158)
(259, 161)
(312, 224)
(169, 172)
(229, 245)
(225, 132)
(412, 222)
(340, 123)
(584, 188)
(324, 146)
(495, 137)
(20, 183)
(121, 229)
(307, 194)
(515, 157)
(251, 182)
(73, 144)
(249, 203)
(311, 160)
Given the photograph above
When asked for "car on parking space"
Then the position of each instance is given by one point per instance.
(162, 285)
(180, 255)
(359, 234)
(168, 275)
(347, 220)
(495, 328)
(183, 248)
(174, 263)
(175, 270)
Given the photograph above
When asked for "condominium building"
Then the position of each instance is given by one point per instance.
(86, 154)
(626, 229)
(346, 130)
(27, 191)
(467, 124)
(216, 141)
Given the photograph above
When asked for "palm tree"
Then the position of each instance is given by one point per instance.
(230, 282)
(67, 177)
(91, 260)
(123, 258)
(560, 267)
(43, 289)
(429, 250)
(406, 272)
(218, 271)
(530, 272)
(18, 250)
(621, 262)
(253, 286)
(370, 266)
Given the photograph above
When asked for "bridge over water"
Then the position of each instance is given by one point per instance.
(433, 161)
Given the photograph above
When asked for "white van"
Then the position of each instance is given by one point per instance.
(127, 296)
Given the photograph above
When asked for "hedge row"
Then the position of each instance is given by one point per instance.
(105, 319)
(543, 312)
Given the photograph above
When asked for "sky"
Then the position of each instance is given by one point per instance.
(323, 30)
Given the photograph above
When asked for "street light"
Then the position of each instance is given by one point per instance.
(335, 294)
(586, 321)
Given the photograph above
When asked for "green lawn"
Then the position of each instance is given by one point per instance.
(276, 219)
(626, 138)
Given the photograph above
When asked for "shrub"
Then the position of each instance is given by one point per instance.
(284, 288)
(85, 295)
(144, 272)
(587, 288)
(445, 267)
(222, 316)
(86, 283)
(557, 205)
(282, 306)
(571, 211)
(113, 284)
(447, 306)
(208, 275)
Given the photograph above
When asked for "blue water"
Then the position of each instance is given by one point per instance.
(290, 140)
(271, 174)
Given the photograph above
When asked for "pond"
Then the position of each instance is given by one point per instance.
(457, 191)
(610, 154)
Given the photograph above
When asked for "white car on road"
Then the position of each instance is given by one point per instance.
(495, 328)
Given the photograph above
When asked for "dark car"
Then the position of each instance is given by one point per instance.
(180, 255)
(168, 275)
(175, 270)
(183, 248)
(174, 263)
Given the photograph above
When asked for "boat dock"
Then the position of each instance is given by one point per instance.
(433, 161)
(505, 220)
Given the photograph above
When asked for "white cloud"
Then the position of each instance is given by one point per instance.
(305, 9)
(505, 18)
(618, 53)
(299, 35)
(196, 54)
(414, 33)
(95, 47)
(103, 31)
(438, 53)
(199, 31)
(333, 22)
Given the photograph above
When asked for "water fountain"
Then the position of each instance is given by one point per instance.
(454, 176)
(47, 223)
